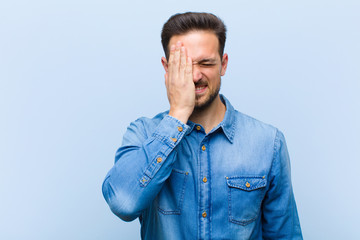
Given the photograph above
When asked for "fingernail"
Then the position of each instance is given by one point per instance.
(178, 44)
(183, 49)
(172, 48)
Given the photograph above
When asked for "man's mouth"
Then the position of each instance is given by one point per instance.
(200, 89)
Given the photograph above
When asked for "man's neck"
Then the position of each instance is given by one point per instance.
(211, 116)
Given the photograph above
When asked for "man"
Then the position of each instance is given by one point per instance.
(202, 170)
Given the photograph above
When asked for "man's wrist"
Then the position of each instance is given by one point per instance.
(181, 116)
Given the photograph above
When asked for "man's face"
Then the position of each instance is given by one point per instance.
(203, 48)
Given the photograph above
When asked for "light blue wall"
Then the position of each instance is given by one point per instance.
(74, 74)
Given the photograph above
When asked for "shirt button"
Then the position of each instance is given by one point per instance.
(204, 214)
(247, 184)
(174, 139)
(180, 129)
(203, 147)
(198, 128)
(159, 159)
(204, 179)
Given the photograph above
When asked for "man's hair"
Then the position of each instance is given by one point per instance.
(182, 23)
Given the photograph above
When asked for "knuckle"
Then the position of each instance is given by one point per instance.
(173, 60)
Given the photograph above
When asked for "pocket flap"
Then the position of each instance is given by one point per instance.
(246, 183)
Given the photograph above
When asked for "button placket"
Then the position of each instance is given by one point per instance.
(205, 185)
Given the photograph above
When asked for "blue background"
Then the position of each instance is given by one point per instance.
(74, 74)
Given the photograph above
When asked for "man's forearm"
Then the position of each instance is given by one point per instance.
(142, 165)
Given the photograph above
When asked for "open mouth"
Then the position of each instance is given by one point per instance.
(200, 89)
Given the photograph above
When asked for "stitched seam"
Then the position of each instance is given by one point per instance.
(182, 193)
(275, 150)
(164, 139)
(260, 184)
(247, 221)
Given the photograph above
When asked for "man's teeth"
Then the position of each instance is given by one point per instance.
(199, 88)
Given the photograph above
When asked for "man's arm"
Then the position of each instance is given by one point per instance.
(279, 216)
(142, 164)
(145, 161)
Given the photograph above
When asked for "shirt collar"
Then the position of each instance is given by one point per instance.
(227, 124)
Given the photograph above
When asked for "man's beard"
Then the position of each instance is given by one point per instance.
(212, 97)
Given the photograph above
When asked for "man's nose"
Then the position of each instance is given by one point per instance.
(197, 75)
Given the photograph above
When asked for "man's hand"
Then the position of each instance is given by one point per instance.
(179, 83)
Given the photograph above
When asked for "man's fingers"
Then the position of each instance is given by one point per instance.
(172, 51)
(188, 70)
(171, 59)
(182, 68)
(176, 61)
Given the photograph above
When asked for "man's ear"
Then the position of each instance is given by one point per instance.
(224, 63)
(164, 63)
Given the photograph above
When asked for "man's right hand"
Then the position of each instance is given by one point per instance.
(179, 83)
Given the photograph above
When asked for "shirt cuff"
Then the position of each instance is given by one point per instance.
(170, 131)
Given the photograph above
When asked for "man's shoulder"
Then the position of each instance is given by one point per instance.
(242, 124)
(251, 126)
(244, 119)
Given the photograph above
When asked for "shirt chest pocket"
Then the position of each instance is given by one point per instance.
(245, 195)
(171, 195)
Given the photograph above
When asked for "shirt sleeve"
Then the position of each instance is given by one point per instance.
(142, 164)
(279, 216)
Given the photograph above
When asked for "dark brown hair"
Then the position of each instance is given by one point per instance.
(182, 23)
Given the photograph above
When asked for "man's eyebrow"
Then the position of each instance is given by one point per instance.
(205, 60)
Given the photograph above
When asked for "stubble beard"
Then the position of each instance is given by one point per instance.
(209, 101)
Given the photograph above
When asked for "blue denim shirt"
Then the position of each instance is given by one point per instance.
(232, 183)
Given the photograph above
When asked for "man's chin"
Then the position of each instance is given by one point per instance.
(202, 104)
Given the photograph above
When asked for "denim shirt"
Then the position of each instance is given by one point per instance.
(232, 183)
